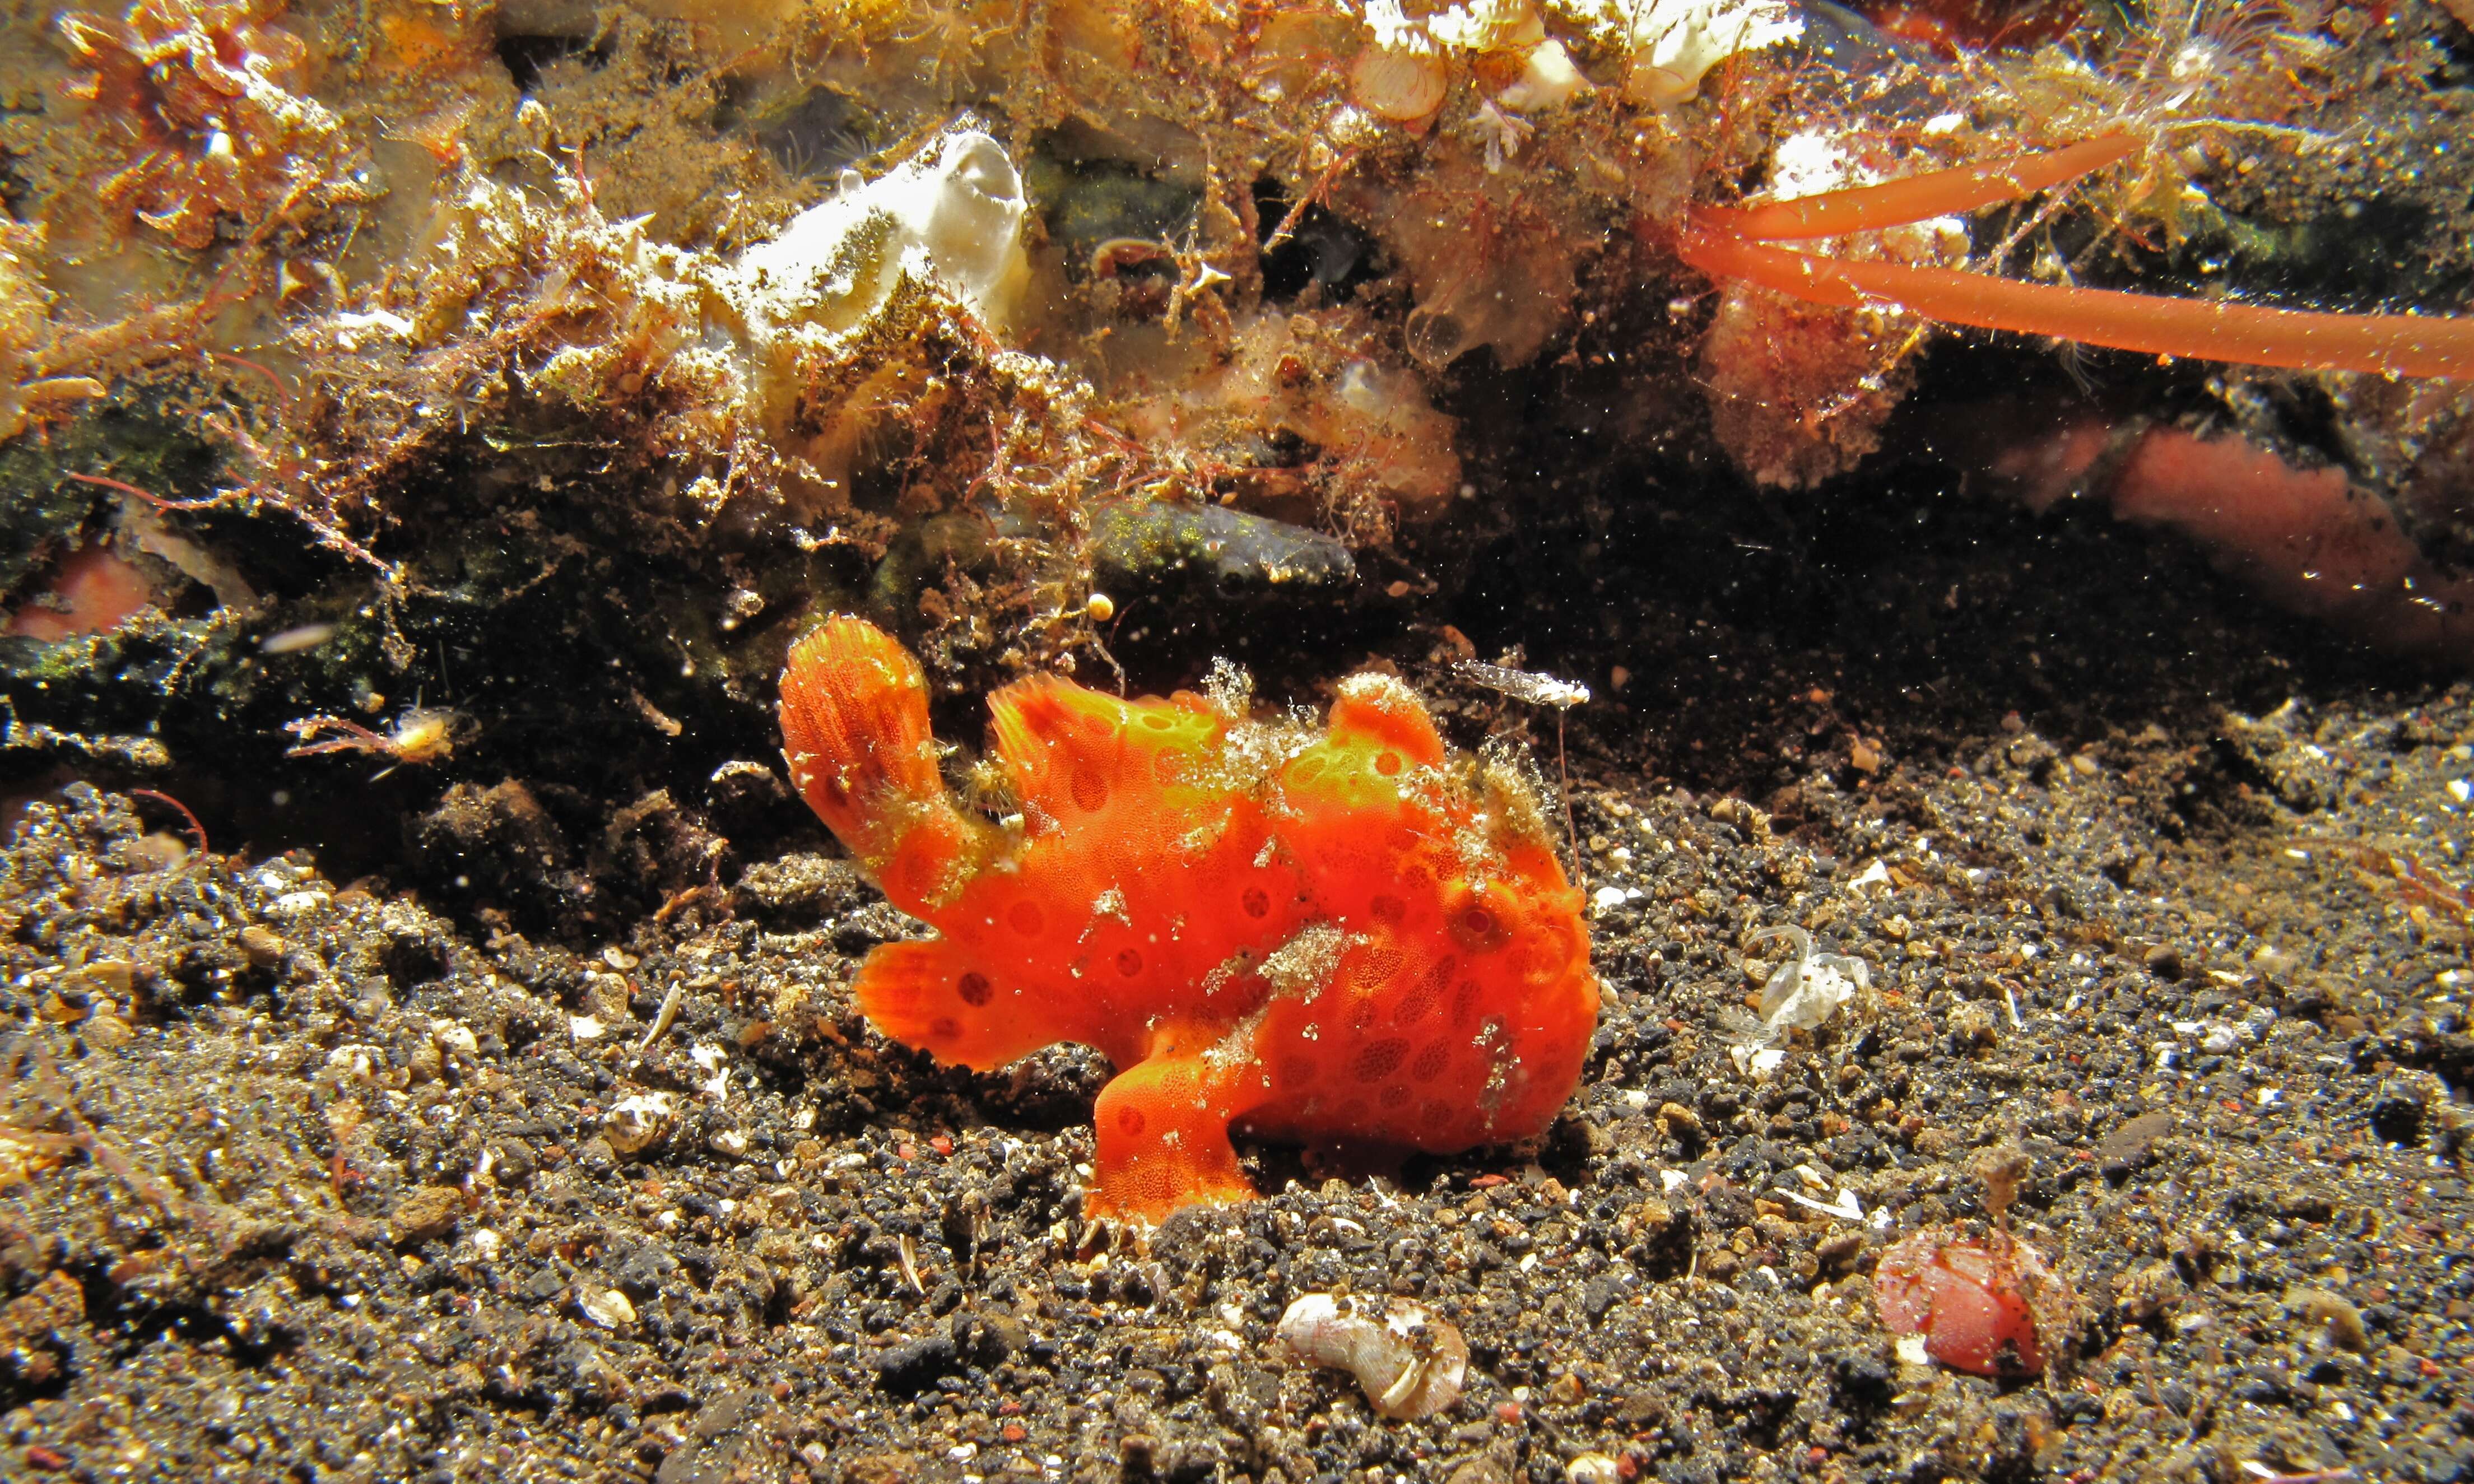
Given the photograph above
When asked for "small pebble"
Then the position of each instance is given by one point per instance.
(261, 945)
(431, 1211)
(606, 1307)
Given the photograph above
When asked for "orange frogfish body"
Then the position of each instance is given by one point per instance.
(1350, 938)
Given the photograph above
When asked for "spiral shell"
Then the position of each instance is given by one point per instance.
(1404, 82)
(1410, 1362)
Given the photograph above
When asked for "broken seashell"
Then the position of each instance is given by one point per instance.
(606, 1307)
(1675, 43)
(1810, 988)
(1410, 1363)
(1489, 26)
(1548, 79)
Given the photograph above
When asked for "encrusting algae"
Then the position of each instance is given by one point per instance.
(204, 105)
(945, 286)
(1350, 938)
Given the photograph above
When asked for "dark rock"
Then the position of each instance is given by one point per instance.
(916, 1365)
(1141, 545)
(2397, 1119)
(1864, 1383)
(543, 1287)
(802, 888)
(1602, 1292)
(496, 847)
(2130, 1147)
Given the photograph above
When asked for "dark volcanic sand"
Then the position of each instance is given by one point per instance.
(304, 1182)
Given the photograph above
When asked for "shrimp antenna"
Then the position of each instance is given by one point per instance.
(1539, 689)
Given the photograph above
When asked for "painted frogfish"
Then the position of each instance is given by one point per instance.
(1356, 937)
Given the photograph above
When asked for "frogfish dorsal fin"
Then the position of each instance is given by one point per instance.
(1074, 753)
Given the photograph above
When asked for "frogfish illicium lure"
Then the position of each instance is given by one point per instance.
(1352, 937)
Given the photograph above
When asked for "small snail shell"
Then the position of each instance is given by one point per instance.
(1405, 83)
(1410, 1363)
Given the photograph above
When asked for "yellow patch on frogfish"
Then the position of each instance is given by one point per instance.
(1351, 937)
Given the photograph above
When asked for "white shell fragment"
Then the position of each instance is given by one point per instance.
(1671, 43)
(1410, 1362)
(607, 1307)
(1757, 1064)
(954, 212)
(1810, 987)
(1548, 80)
(640, 1122)
(1801, 994)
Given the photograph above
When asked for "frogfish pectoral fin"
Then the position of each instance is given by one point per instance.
(1163, 1139)
(926, 995)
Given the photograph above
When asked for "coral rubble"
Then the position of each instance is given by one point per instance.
(652, 333)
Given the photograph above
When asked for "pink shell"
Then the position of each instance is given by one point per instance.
(1971, 1299)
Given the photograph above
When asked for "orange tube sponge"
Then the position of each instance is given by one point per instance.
(1947, 192)
(1355, 937)
(1727, 242)
(2410, 345)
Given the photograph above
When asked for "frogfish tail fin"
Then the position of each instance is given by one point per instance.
(854, 732)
